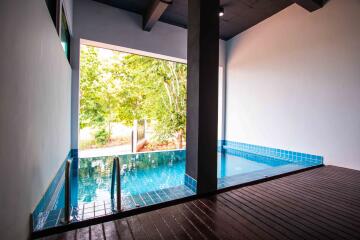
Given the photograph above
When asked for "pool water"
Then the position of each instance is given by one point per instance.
(140, 173)
(152, 178)
(147, 172)
(230, 165)
(95, 185)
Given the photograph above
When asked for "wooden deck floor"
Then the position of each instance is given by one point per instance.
(322, 203)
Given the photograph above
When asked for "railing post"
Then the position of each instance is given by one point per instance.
(67, 192)
(132, 140)
(116, 177)
(118, 183)
(113, 177)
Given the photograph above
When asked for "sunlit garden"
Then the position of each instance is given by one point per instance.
(130, 102)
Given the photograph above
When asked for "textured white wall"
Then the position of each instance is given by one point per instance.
(105, 24)
(34, 111)
(293, 82)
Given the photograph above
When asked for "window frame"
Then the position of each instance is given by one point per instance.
(57, 19)
(62, 13)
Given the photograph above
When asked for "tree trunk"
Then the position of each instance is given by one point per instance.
(179, 138)
(109, 129)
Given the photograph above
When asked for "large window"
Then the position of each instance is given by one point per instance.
(130, 102)
(58, 16)
(65, 34)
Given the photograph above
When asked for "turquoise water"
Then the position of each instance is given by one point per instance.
(155, 177)
(146, 172)
(230, 165)
(141, 173)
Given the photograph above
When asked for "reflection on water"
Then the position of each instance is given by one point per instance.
(146, 172)
(230, 165)
(139, 173)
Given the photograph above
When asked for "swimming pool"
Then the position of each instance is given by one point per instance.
(230, 165)
(155, 177)
(140, 173)
(148, 172)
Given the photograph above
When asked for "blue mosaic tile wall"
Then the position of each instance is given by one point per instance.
(104, 208)
(74, 153)
(220, 144)
(190, 183)
(237, 148)
(51, 195)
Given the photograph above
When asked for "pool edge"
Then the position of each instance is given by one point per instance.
(116, 216)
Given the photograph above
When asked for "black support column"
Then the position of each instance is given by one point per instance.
(202, 95)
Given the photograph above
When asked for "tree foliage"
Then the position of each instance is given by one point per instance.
(97, 94)
(130, 87)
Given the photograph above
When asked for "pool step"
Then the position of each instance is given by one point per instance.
(52, 219)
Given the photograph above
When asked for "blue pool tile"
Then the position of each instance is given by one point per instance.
(138, 201)
(146, 199)
(268, 161)
(236, 148)
(142, 185)
(190, 182)
(50, 224)
(100, 213)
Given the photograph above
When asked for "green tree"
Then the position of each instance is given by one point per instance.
(156, 90)
(131, 87)
(97, 94)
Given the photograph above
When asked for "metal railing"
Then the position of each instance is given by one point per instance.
(115, 177)
(67, 193)
(115, 180)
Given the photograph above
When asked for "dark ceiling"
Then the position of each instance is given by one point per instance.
(239, 14)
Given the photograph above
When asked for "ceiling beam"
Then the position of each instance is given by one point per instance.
(154, 13)
(310, 5)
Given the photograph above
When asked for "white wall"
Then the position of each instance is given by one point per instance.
(105, 24)
(293, 82)
(34, 111)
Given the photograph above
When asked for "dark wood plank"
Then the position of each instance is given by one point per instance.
(188, 226)
(258, 221)
(291, 231)
(215, 227)
(282, 214)
(322, 203)
(67, 235)
(348, 183)
(110, 231)
(137, 229)
(346, 214)
(123, 229)
(293, 214)
(171, 223)
(150, 229)
(237, 215)
(97, 232)
(343, 208)
(242, 224)
(220, 228)
(327, 215)
(83, 233)
(227, 224)
(201, 227)
(335, 220)
(159, 223)
(300, 212)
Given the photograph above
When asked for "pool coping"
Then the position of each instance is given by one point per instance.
(131, 153)
(128, 213)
